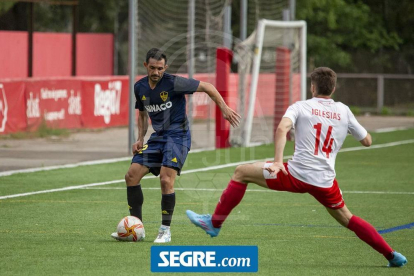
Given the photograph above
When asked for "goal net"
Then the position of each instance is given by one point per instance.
(272, 76)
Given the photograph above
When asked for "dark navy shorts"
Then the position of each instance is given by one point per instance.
(156, 154)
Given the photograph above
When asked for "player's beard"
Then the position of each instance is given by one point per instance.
(155, 78)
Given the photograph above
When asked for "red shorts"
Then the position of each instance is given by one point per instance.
(328, 197)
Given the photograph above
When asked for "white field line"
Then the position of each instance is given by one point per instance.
(194, 170)
(390, 129)
(386, 145)
(249, 190)
(86, 163)
(114, 160)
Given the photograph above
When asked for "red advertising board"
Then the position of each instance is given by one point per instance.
(58, 103)
(203, 106)
(105, 103)
(13, 54)
(52, 54)
(12, 108)
(94, 56)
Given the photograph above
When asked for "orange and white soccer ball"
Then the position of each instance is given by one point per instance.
(130, 228)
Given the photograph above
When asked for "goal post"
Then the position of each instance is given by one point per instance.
(285, 54)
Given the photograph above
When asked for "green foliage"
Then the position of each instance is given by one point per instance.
(42, 132)
(45, 131)
(339, 31)
(355, 110)
(52, 18)
(386, 111)
(398, 17)
(5, 6)
(99, 15)
(337, 27)
(94, 16)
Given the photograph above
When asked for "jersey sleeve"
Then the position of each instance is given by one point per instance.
(355, 128)
(138, 103)
(292, 113)
(185, 86)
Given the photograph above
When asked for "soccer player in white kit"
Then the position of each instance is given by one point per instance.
(321, 126)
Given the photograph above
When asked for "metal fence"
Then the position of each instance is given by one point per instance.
(377, 93)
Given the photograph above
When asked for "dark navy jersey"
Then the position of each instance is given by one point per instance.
(166, 106)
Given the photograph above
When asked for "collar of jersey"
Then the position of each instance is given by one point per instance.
(149, 86)
(321, 99)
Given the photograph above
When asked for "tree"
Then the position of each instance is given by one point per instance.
(398, 17)
(5, 6)
(336, 28)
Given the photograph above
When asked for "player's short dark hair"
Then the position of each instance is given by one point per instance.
(157, 54)
(324, 80)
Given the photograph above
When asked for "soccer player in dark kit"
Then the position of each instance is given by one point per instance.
(161, 96)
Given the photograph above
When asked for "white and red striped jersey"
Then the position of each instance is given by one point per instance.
(321, 126)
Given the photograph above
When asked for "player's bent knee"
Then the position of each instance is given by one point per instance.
(134, 176)
(129, 179)
(166, 181)
(167, 185)
(239, 173)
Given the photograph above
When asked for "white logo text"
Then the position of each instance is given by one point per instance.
(108, 102)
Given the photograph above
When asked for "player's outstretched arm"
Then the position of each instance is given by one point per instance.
(229, 114)
(280, 141)
(142, 130)
(367, 141)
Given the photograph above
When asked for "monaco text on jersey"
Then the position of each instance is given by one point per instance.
(158, 107)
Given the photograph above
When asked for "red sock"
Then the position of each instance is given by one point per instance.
(229, 199)
(366, 232)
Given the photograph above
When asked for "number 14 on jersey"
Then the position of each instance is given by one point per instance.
(327, 144)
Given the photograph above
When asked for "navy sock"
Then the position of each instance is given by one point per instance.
(135, 200)
(167, 208)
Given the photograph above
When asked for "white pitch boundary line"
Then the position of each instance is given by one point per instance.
(85, 163)
(391, 144)
(113, 160)
(249, 190)
(390, 129)
(196, 170)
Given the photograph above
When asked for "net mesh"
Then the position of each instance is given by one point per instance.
(165, 24)
(279, 83)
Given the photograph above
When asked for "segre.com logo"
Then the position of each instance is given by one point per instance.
(204, 259)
